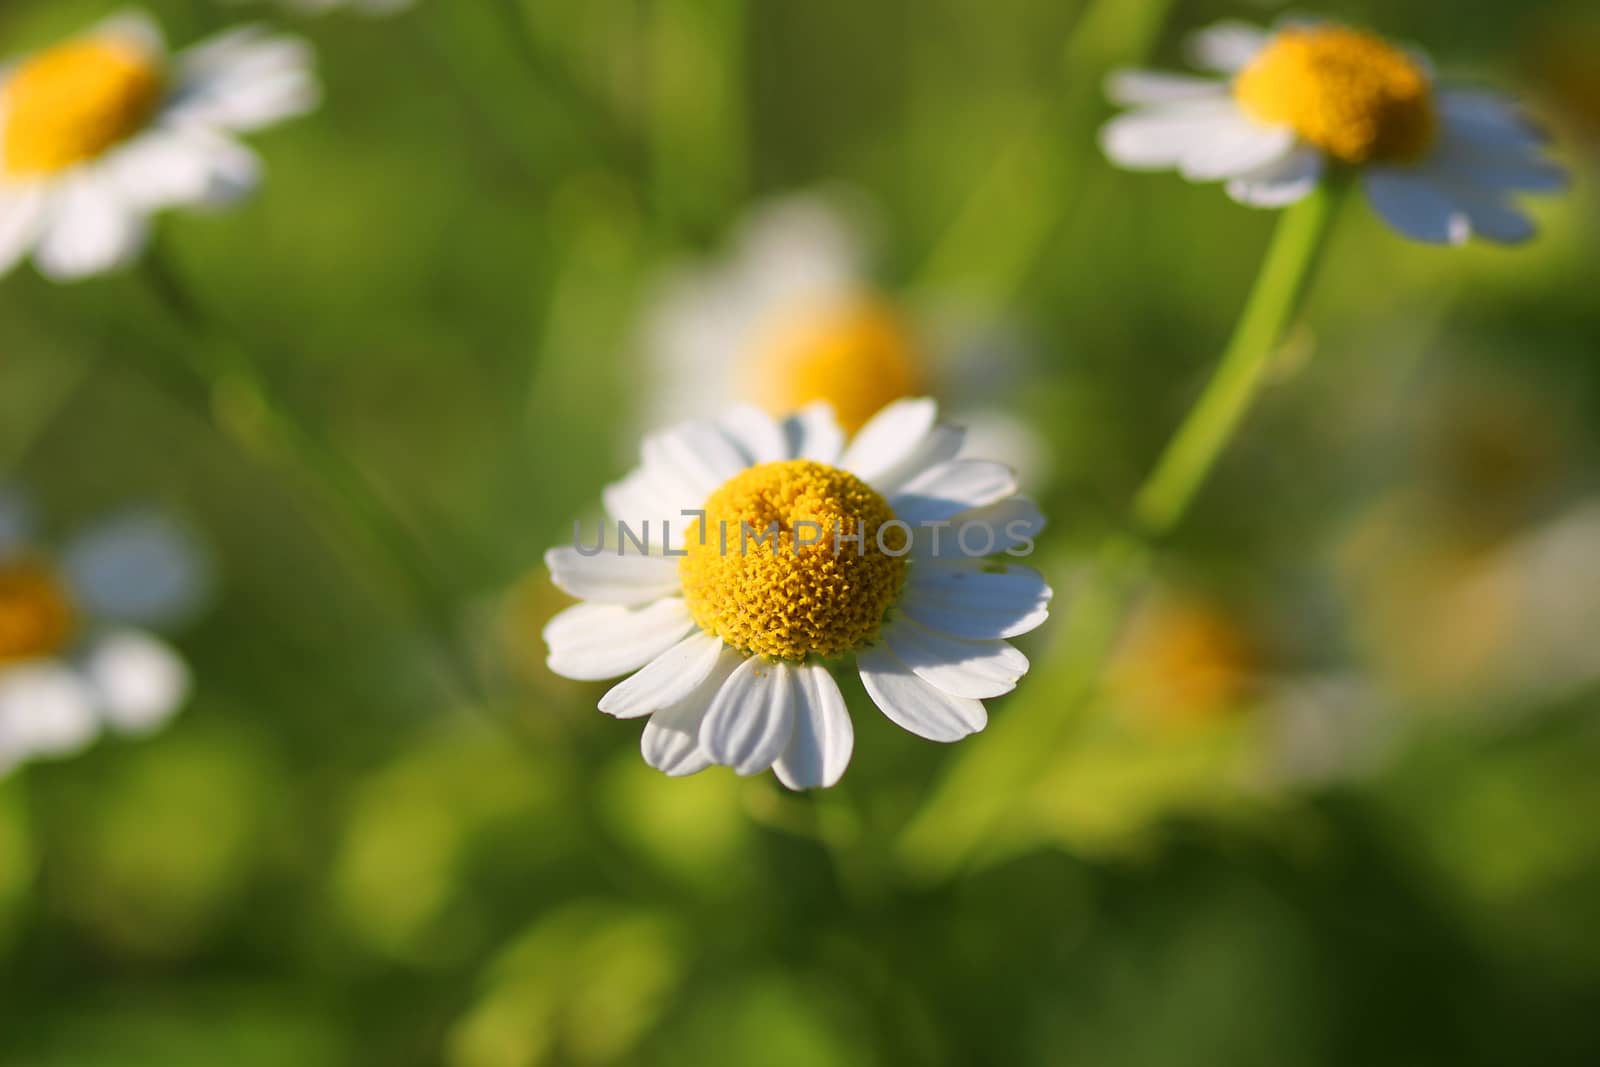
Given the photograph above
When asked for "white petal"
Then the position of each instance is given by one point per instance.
(1282, 182)
(1015, 522)
(975, 601)
(665, 680)
(138, 567)
(24, 214)
(913, 704)
(638, 499)
(752, 717)
(612, 579)
(1227, 46)
(1493, 219)
(1488, 118)
(813, 433)
(1160, 136)
(900, 443)
(140, 681)
(1131, 88)
(757, 434)
(671, 739)
(593, 642)
(695, 458)
(824, 736)
(90, 230)
(1416, 206)
(244, 80)
(1486, 165)
(46, 709)
(1236, 147)
(168, 167)
(134, 28)
(888, 436)
(998, 434)
(952, 488)
(973, 669)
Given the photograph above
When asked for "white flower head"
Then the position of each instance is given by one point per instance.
(101, 132)
(76, 654)
(1282, 108)
(795, 550)
(791, 316)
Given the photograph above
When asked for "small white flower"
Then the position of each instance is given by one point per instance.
(791, 316)
(74, 655)
(1438, 164)
(731, 644)
(101, 132)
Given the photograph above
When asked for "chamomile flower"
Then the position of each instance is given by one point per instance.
(1438, 164)
(76, 656)
(790, 316)
(99, 133)
(807, 552)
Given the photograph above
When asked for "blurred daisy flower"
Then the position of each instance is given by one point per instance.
(1438, 164)
(1184, 660)
(791, 316)
(1295, 711)
(100, 132)
(802, 550)
(75, 656)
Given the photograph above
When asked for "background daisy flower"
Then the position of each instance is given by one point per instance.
(731, 647)
(790, 316)
(76, 654)
(1438, 164)
(99, 133)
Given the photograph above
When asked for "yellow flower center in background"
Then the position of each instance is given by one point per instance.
(1186, 663)
(762, 593)
(1349, 93)
(860, 358)
(72, 102)
(36, 617)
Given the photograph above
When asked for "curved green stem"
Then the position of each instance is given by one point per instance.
(1165, 496)
(966, 812)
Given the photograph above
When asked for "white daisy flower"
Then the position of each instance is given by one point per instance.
(791, 316)
(101, 132)
(75, 654)
(1438, 164)
(806, 551)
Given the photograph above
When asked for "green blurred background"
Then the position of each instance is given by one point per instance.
(1335, 802)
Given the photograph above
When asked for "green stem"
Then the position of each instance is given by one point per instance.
(965, 813)
(1192, 453)
(244, 407)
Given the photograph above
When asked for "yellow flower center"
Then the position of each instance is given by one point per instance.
(860, 358)
(1186, 663)
(792, 565)
(72, 102)
(1349, 93)
(36, 618)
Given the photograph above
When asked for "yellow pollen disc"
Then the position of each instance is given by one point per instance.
(1349, 93)
(859, 357)
(762, 594)
(72, 102)
(36, 617)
